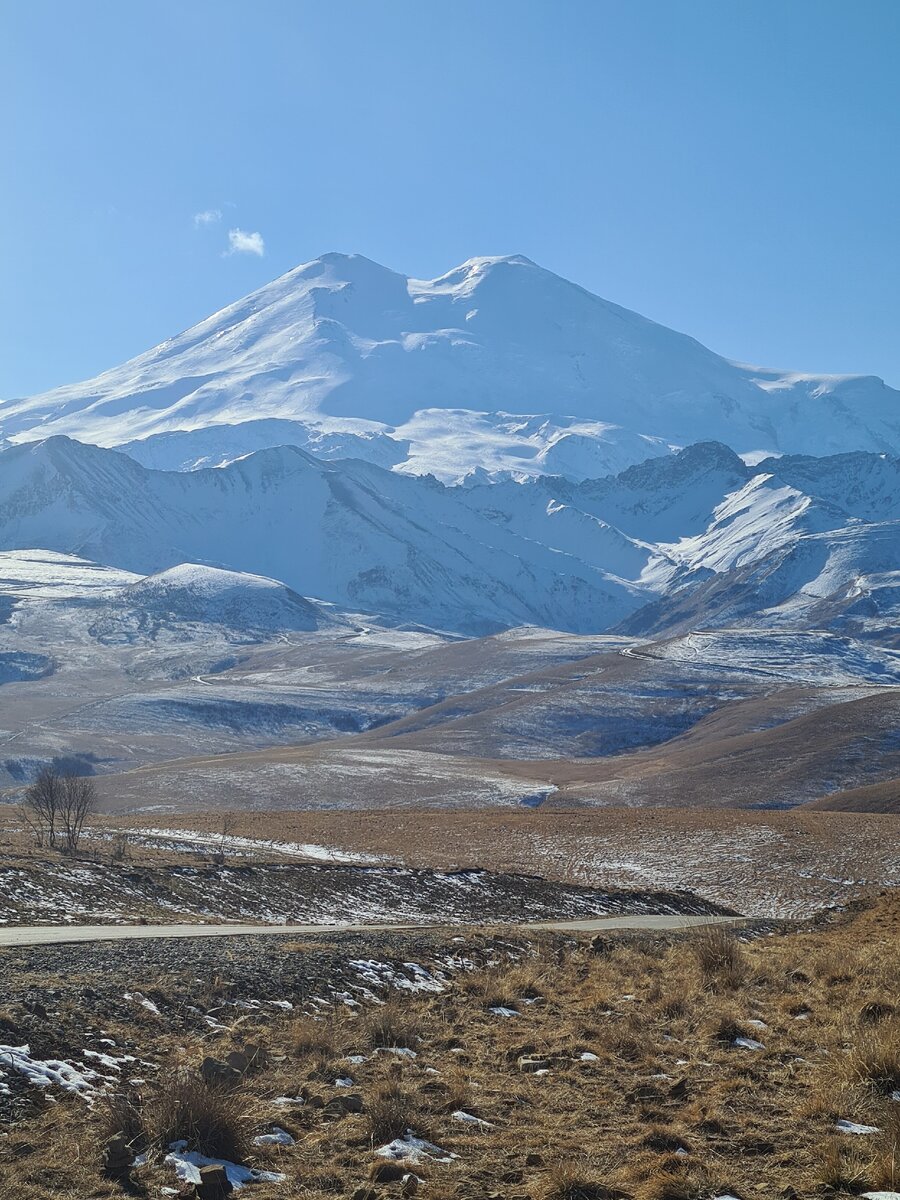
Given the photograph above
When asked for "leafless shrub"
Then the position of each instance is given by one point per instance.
(121, 848)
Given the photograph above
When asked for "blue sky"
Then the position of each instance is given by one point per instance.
(728, 167)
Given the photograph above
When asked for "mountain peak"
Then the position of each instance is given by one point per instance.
(343, 339)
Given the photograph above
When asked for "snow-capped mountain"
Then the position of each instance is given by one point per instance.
(687, 539)
(429, 376)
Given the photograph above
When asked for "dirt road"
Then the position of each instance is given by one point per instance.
(42, 935)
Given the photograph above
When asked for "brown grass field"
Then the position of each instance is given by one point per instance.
(641, 1094)
(762, 863)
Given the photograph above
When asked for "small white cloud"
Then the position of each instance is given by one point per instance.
(209, 216)
(241, 242)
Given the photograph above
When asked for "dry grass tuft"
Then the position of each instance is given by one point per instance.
(875, 1057)
(721, 958)
(213, 1120)
(670, 1185)
(120, 1114)
(842, 1167)
(567, 1182)
(314, 1037)
(391, 1111)
(885, 1169)
(392, 1026)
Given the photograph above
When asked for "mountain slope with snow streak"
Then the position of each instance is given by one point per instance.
(348, 532)
(677, 542)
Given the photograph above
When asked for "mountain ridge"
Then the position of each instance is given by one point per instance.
(697, 536)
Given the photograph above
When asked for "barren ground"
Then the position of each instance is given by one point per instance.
(664, 1067)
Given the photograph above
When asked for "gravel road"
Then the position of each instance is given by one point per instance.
(43, 935)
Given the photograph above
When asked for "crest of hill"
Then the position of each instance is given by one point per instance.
(193, 593)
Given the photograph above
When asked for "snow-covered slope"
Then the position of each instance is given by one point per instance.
(188, 600)
(190, 593)
(348, 532)
(802, 543)
(345, 349)
(690, 539)
(218, 445)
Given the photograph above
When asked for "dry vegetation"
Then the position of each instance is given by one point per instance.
(619, 1077)
(761, 862)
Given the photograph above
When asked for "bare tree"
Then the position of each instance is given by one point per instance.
(226, 829)
(55, 808)
(41, 807)
(79, 798)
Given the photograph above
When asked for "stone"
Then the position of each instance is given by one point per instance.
(353, 1102)
(364, 1193)
(534, 1160)
(387, 1172)
(409, 1184)
(117, 1157)
(334, 1110)
(214, 1184)
(257, 1056)
(238, 1060)
(219, 1074)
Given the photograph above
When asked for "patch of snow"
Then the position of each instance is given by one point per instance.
(748, 1044)
(187, 1164)
(469, 1119)
(140, 998)
(278, 1137)
(413, 1149)
(74, 1078)
(844, 1126)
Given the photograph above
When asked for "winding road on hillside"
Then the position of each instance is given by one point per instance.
(43, 935)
